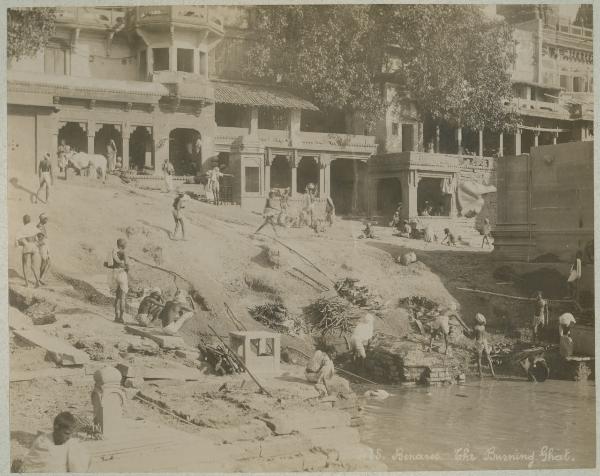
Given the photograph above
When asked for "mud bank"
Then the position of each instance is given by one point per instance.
(225, 423)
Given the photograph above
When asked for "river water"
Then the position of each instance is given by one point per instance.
(489, 424)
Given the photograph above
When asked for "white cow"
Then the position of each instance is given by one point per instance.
(91, 162)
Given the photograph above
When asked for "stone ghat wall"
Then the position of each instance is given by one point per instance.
(392, 360)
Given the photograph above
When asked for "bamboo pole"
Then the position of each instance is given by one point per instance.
(520, 298)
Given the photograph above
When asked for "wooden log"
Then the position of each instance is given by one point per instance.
(62, 353)
(163, 340)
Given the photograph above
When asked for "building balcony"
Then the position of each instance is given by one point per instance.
(90, 17)
(531, 107)
(431, 161)
(352, 143)
(313, 141)
(191, 16)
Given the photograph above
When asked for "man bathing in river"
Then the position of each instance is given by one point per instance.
(481, 343)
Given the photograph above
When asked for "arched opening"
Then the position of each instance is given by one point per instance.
(185, 151)
(430, 198)
(281, 173)
(140, 149)
(389, 195)
(308, 172)
(74, 136)
(348, 179)
(102, 138)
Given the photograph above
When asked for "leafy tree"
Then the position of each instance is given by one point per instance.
(585, 16)
(327, 53)
(28, 30)
(452, 60)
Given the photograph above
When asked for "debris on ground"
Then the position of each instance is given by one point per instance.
(331, 314)
(357, 294)
(276, 316)
(95, 349)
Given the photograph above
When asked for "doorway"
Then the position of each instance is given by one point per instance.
(348, 185)
(140, 149)
(281, 173)
(185, 151)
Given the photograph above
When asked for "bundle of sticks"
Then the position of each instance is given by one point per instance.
(220, 359)
(329, 315)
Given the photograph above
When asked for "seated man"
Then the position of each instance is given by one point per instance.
(57, 452)
(319, 371)
(175, 313)
(406, 230)
(449, 238)
(150, 308)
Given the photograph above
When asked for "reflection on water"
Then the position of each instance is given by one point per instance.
(503, 424)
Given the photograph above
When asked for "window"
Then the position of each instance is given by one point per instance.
(252, 176)
(394, 128)
(161, 59)
(407, 137)
(230, 115)
(185, 60)
(564, 82)
(54, 60)
(272, 118)
(143, 65)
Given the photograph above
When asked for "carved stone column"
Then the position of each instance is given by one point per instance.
(91, 134)
(108, 400)
(294, 174)
(501, 145)
(325, 175)
(267, 172)
(518, 142)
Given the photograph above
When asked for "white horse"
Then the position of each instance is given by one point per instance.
(91, 162)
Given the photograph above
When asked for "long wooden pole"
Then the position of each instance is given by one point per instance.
(263, 389)
(520, 298)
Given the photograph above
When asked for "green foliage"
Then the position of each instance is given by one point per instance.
(452, 61)
(327, 53)
(28, 30)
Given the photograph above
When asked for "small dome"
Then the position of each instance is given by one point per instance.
(107, 375)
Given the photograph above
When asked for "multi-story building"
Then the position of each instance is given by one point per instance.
(167, 82)
(553, 77)
(154, 80)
